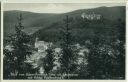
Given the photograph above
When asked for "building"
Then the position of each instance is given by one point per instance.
(41, 53)
(91, 16)
(38, 55)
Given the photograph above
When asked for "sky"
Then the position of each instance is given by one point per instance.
(55, 7)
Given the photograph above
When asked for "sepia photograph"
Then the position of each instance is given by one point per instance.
(64, 41)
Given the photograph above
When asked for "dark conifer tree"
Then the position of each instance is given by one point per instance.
(99, 60)
(69, 52)
(21, 50)
(119, 47)
(48, 62)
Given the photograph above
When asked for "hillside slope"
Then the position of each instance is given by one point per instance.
(49, 22)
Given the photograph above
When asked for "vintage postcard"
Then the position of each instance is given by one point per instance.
(60, 41)
(63, 41)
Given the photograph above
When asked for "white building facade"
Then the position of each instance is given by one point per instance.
(91, 16)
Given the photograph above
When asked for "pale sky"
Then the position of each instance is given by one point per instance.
(55, 7)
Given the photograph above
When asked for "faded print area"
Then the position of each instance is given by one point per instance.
(64, 41)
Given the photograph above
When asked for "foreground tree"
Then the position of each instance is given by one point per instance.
(17, 57)
(99, 59)
(48, 62)
(106, 60)
(119, 47)
(68, 59)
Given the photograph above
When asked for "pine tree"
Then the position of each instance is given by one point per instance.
(48, 62)
(21, 50)
(119, 47)
(69, 52)
(99, 61)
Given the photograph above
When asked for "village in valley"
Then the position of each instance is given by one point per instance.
(42, 46)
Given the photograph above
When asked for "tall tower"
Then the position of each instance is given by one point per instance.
(36, 39)
(36, 42)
